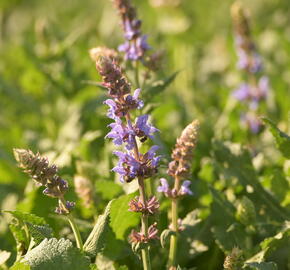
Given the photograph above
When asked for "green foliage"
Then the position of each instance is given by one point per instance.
(96, 240)
(262, 266)
(121, 219)
(282, 140)
(56, 254)
(52, 101)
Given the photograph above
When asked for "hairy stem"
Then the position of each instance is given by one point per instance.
(74, 227)
(137, 74)
(173, 238)
(144, 223)
(144, 217)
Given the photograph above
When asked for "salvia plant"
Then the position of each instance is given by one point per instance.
(122, 182)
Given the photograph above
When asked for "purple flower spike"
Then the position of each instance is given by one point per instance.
(252, 122)
(143, 129)
(121, 134)
(263, 87)
(127, 166)
(112, 111)
(164, 187)
(135, 50)
(134, 101)
(185, 188)
(243, 92)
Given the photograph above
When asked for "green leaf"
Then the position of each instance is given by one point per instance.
(281, 138)
(234, 162)
(108, 189)
(20, 266)
(159, 86)
(96, 240)
(227, 232)
(39, 232)
(262, 266)
(121, 219)
(56, 254)
(27, 217)
(37, 228)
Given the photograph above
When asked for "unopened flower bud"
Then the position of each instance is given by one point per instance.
(183, 152)
(84, 189)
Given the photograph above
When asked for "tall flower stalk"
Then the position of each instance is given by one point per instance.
(132, 163)
(256, 86)
(46, 175)
(135, 45)
(179, 170)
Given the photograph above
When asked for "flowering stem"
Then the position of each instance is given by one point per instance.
(144, 217)
(74, 227)
(75, 231)
(173, 238)
(144, 222)
(137, 74)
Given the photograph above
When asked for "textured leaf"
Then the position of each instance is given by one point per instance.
(160, 86)
(26, 222)
(108, 190)
(236, 163)
(262, 266)
(96, 240)
(27, 217)
(56, 254)
(39, 232)
(281, 138)
(122, 219)
(227, 232)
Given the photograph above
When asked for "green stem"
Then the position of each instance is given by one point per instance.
(73, 225)
(137, 74)
(75, 231)
(144, 223)
(144, 218)
(173, 238)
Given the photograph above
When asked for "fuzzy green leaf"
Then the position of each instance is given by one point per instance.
(227, 232)
(233, 162)
(122, 219)
(262, 266)
(108, 190)
(27, 217)
(96, 240)
(39, 232)
(281, 138)
(159, 86)
(56, 254)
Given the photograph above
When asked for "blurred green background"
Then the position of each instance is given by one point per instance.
(49, 104)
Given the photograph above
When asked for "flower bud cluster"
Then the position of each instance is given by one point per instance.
(45, 175)
(257, 87)
(84, 190)
(123, 131)
(182, 154)
(139, 237)
(136, 43)
(150, 207)
(179, 167)
(132, 164)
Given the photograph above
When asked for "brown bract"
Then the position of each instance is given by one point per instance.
(182, 154)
